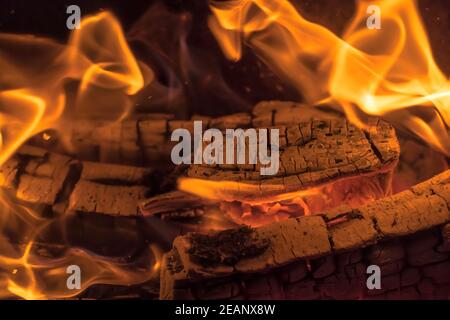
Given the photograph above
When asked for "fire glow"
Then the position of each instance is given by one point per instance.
(35, 100)
(389, 72)
(374, 71)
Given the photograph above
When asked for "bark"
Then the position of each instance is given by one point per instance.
(145, 140)
(322, 162)
(168, 205)
(314, 153)
(311, 153)
(326, 255)
(38, 177)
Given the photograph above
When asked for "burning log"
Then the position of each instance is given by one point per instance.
(168, 205)
(146, 139)
(322, 164)
(324, 255)
(47, 179)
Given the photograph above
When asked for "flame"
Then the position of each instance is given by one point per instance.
(227, 190)
(385, 72)
(35, 73)
(34, 97)
(28, 273)
(389, 72)
(244, 203)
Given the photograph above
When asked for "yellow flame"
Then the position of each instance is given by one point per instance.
(28, 274)
(47, 279)
(35, 72)
(232, 190)
(34, 98)
(22, 113)
(388, 71)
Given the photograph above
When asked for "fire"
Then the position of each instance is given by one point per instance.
(244, 203)
(44, 85)
(226, 191)
(387, 72)
(34, 97)
(28, 273)
(36, 71)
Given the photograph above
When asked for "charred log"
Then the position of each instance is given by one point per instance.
(145, 140)
(322, 164)
(46, 179)
(326, 255)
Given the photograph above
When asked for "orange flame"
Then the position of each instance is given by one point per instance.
(35, 72)
(34, 98)
(30, 274)
(228, 190)
(388, 71)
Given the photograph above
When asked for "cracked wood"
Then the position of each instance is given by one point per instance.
(39, 177)
(425, 206)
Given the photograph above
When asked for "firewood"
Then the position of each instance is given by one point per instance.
(324, 163)
(316, 152)
(198, 260)
(42, 177)
(145, 140)
(39, 177)
(171, 202)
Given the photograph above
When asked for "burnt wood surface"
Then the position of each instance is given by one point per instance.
(38, 177)
(144, 139)
(306, 249)
(314, 155)
(313, 152)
